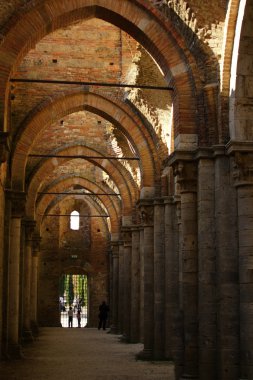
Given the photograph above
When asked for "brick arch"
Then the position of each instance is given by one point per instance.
(137, 17)
(231, 20)
(129, 193)
(112, 111)
(89, 202)
(112, 208)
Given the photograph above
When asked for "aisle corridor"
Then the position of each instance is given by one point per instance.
(80, 354)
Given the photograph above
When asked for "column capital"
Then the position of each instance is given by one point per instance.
(126, 234)
(242, 168)
(36, 240)
(146, 211)
(169, 200)
(136, 227)
(18, 202)
(4, 146)
(158, 201)
(186, 175)
(29, 225)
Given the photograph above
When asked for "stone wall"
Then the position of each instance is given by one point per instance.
(89, 255)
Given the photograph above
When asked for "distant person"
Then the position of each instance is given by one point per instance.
(78, 315)
(103, 315)
(70, 314)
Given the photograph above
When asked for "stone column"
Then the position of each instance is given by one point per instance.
(147, 217)
(243, 175)
(207, 271)
(4, 148)
(173, 319)
(29, 229)
(115, 287)
(141, 319)
(135, 286)
(127, 238)
(17, 211)
(121, 288)
(159, 281)
(186, 178)
(34, 284)
(110, 302)
(227, 292)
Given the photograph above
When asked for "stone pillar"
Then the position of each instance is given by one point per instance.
(141, 320)
(127, 238)
(29, 229)
(34, 285)
(186, 177)
(121, 288)
(110, 301)
(207, 271)
(17, 211)
(227, 292)
(115, 287)
(159, 281)
(147, 217)
(243, 175)
(135, 286)
(173, 320)
(4, 148)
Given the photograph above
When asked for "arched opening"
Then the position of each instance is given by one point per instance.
(74, 220)
(73, 295)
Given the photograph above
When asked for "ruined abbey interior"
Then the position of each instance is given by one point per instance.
(133, 118)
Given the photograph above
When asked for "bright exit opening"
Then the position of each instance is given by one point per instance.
(74, 295)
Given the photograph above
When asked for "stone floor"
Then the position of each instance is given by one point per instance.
(80, 354)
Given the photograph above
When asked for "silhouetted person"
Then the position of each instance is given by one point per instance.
(78, 315)
(70, 314)
(103, 315)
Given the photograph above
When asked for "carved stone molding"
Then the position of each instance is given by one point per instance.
(4, 146)
(146, 212)
(36, 240)
(242, 168)
(126, 235)
(186, 175)
(29, 225)
(115, 249)
(18, 202)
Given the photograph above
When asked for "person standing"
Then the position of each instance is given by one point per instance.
(70, 314)
(78, 315)
(103, 315)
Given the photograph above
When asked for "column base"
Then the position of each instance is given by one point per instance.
(146, 354)
(14, 352)
(34, 328)
(27, 336)
(113, 329)
(185, 376)
(124, 338)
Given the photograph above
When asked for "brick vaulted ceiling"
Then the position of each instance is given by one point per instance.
(71, 119)
(88, 51)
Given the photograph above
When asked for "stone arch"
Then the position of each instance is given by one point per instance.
(138, 18)
(42, 203)
(240, 111)
(97, 104)
(226, 65)
(116, 171)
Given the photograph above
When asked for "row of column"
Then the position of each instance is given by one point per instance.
(22, 245)
(182, 281)
(140, 270)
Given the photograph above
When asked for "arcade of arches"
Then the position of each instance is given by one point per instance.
(137, 115)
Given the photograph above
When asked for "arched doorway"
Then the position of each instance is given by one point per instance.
(73, 293)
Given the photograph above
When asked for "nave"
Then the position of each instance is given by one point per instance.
(80, 354)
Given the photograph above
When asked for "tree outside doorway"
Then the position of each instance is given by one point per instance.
(73, 293)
